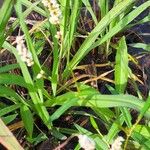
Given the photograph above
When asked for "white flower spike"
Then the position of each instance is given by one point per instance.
(55, 12)
(86, 142)
(58, 35)
(116, 145)
(25, 55)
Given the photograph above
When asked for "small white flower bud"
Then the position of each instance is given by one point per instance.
(40, 75)
(55, 12)
(42, 72)
(45, 3)
(58, 35)
(30, 64)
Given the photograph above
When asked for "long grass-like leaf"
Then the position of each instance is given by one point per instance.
(27, 118)
(36, 66)
(101, 101)
(7, 92)
(56, 62)
(30, 7)
(145, 108)
(9, 118)
(141, 45)
(8, 68)
(62, 109)
(34, 6)
(121, 66)
(5, 12)
(103, 4)
(114, 129)
(89, 8)
(12, 79)
(9, 109)
(69, 37)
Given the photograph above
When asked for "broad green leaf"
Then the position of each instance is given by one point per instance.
(73, 20)
(8, 68)
(121, 66)
(56, 60)
(121, 75)
(27, 118)
(5, 12)
(12, 79)
(8, 92)
(62, 109)
(94, 124)
(100, 101)
(9, 118)
(66, 13)
(9, 109)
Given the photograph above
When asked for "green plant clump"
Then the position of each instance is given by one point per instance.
(53, 44)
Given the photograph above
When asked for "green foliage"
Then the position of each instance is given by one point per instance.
(27, 118)
(29, 96)
(5, 12)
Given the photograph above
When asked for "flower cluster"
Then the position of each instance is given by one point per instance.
(25, 55)
(117, 143)
(55, 12)
(86, 142)
(40, 75)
